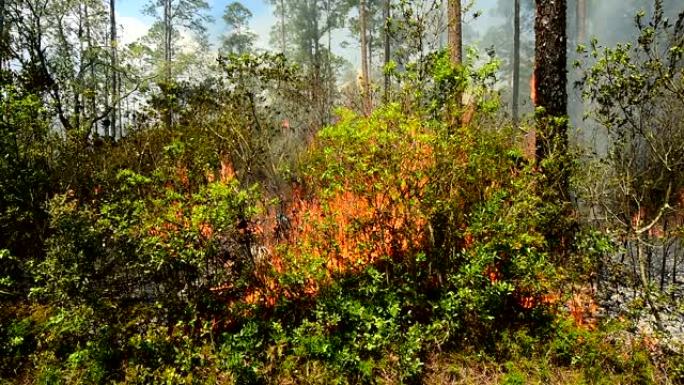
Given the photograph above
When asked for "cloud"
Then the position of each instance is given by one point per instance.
(132, 28)
(262, 24)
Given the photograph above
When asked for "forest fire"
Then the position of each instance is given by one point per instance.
(184, 200)
(344, 231)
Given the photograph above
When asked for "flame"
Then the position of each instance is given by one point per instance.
(533, 88)
(344, 231)
(583, 310)
(227, 173)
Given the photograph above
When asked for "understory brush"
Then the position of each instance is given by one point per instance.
(408, 250)
(410, 253)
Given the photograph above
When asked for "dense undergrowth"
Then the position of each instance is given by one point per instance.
(405, 254)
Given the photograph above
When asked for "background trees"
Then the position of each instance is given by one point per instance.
(172, 18)
(239, 40)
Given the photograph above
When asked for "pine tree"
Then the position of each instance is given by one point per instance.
(455, 27)
(176, 15)
(188, 15)
(387, 48)
(114, 72)
(365, 72)
(240, 39)
(303, 26)
(551, 76)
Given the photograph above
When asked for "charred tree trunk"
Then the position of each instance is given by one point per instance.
(550, 75)
(2, 16)
(79, 84)
(3, 49)
(551, 78)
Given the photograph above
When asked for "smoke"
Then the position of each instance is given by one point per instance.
(608, 21)
(488, 26)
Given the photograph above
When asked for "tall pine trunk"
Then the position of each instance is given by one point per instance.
(455, 31)
(550, 76)
(317, 61)
(581, 21)
(516, 62)
(365, 73)
(3, 49)
(167, 40)
(455, 41)
(386, 17)
(91, 106)
(167, 61)
(79, 89)
(114, 64)
(328, 65)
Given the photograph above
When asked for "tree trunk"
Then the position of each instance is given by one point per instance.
(3, 49)
(550, 83)
(365, 73)
(79, 86)
(386, 17)
(369, 33)
(330, 82)
(167, 39)
(105, 99)
(168, 33)
(318, 78)
(646, 283)
(282, 26)
(516, 62)
(455, 32)
(666, 252)
(2, 16)
(581, 21)
(114, 64)
(550, 76)
(92, 82)
(675, 253)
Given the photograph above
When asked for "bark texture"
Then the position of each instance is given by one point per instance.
(455, 31)
(550, 74)
(3, 49)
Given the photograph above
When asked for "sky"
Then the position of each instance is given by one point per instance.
(134, 23)
(607, 15)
